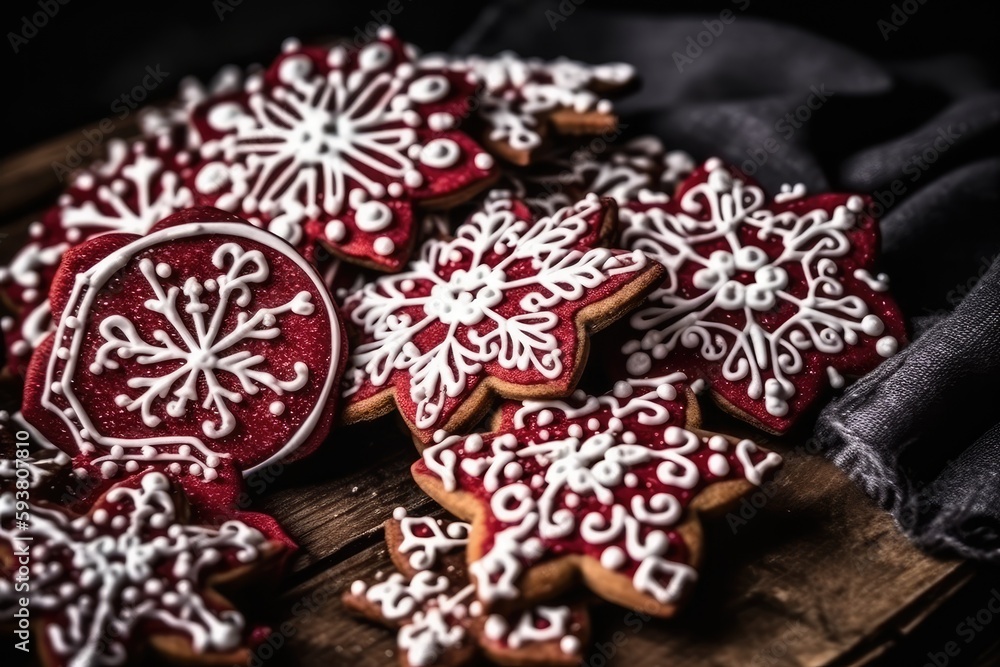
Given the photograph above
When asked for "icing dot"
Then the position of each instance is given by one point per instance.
(836, 379)
(570, 645)
(428, 89)
(513, 470)
(358, 588)
(440, 153)
(638, 364)
(440, 121)
(496, 627)
(483, 161)
(335, 231)
(163, 270)
(131, 466)
(100, 517)
(631, 480)
(109, 469)
(384, 246)
(718, 465)
(194, 469)
(718, 443)
(373, 216)
(374, 56)
(887, 346)
(276, 408)
(613, 558)
(399, 513)
(622, 389)
(872, 325)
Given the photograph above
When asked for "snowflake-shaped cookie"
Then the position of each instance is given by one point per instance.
(337, 145)
(206, 341)
(505, 307)
(138, 185)
(766, 301)
(606, 486)
(524, 98)
(432, 602)
(156, 121)
(638, 170)
(132, 573)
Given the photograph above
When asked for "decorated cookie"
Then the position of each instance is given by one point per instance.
(523, 99)
(606, 489)
(433, 604)
(140, 184)
(769, 302)
(639, 170)
(41, 467)
(207, 343)
(132, 575)
(155, 121)
(337, 146)
(505, 307)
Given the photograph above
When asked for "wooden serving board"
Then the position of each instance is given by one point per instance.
(806, 573)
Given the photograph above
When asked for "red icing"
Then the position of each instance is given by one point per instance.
(356, 89)
(529, 434)
(425, 274)
(812, 382)
(257, 434)
(139, 184)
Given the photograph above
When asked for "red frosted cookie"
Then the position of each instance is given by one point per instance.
(135, 574)
(138, 185)
(155, 121)
(337, 146)
(607, 487)
(638, 170)
(206, 343)
(767, 301)
(524, 99)
(505, 307)
(432, 602)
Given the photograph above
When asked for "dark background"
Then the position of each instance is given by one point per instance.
(70, 71)
(89, 53)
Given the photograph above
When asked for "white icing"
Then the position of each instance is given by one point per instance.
(584, 476)
(306, 148)
(424, 550)
(125, 565)
(433, 609)
(207, 351)
(384, 310)
(518, 92)
(71, 410)
(101, 203)
(825, 319)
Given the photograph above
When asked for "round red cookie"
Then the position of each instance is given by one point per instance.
(206, 342)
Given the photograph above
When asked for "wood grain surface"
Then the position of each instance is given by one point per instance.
(808, 572)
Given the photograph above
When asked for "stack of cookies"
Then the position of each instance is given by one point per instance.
(353, 232)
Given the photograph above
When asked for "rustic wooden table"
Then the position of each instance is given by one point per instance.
(808, 572)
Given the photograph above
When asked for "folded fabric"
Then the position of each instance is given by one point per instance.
(921, 434)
